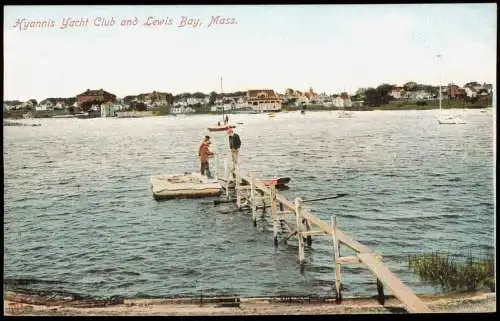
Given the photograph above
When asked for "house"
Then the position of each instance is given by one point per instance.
(470, 92)
(452, 91)
(460, 93)
(108, 110)
(358, 103)
(302, 100)
(324, 99)
(181, 103)
(60, 105)
(337, 101)
(397, 92)
(263, 100)
(182, 110)
(488, 88)
(419, 95)
(95, 96)
(347, 101)
(45, 105)
(311, 95)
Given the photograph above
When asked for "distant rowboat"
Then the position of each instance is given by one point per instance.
(220, 128)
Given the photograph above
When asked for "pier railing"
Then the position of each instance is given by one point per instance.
(256, 193)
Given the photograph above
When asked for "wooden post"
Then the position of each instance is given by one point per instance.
(252, 200)
(380, 285)
(238, 190)
(308, 228)
(282, 208)
(274, 214)
(217, 165)
(298, 214)
(380, 290)
(338, 294)
(226, 170)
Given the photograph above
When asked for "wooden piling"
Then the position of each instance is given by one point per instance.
(227, 173)
(238, 188)
(338, 280)
(274, 214)
(298, 212)
(252, 200)
(308, 228)
(364, 254)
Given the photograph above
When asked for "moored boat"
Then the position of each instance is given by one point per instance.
(220, 128)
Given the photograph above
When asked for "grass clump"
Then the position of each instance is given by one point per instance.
(453, 274)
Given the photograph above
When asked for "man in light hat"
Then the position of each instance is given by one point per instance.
(234, 145)
(204, 152)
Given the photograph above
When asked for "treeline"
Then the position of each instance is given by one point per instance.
(67, 101)
(381, 95)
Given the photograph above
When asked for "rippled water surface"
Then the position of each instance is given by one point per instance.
(79, 215)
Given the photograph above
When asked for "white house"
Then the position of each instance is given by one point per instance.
(347, 102)
(397, 92)
(470, 92)
(338, 102)
(422, 95)
(182, 110)
(180, 103)
(107, 110)
(60, 105)
(45, 105)
(119, 107)
(302, 100)
(324, 99)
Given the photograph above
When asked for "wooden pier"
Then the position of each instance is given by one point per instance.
(253, 193)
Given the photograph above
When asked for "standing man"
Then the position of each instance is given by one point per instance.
(234, 145)
(203, 153)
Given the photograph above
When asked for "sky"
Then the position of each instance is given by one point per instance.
(331, 48)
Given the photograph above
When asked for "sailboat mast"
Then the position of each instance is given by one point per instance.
(440, 76)
(222, 98)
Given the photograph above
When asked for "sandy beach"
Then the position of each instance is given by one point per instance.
(20, 304)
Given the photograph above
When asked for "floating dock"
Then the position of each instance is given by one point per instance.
(252, 193)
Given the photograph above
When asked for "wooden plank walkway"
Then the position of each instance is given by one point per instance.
(401, 291)
(365, 254)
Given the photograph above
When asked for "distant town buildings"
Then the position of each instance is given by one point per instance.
(107, 104)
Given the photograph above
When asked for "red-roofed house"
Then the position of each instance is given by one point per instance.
(263, 100)
(95, 97)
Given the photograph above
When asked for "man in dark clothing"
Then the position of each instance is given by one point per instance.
(234, 145)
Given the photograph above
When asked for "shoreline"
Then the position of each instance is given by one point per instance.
(22, 304)
(283, 110)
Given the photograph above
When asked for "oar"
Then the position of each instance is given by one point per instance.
(325, 198)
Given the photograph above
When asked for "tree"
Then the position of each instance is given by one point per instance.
(360, 92)
(372, 97)
(34, 102)
(410, 86)
(472, 84)
(199, 95)
(383, 91)
(212, 98)
(139, 106)
(170, 99)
